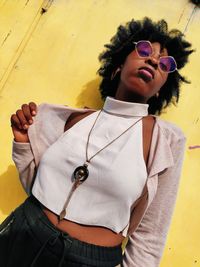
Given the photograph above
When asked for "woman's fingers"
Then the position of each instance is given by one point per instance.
(24, 116)
(15, 122)
(33, 108)
(27, 112)
(22, 119)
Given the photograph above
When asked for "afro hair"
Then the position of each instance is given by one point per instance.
(122, 44)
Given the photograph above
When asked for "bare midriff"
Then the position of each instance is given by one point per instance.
(96, 235)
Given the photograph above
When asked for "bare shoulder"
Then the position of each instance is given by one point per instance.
(76, 117)
(148, 123)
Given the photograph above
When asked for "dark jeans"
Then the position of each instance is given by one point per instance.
(28, 239)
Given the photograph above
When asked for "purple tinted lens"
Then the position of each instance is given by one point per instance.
(167, 64)
(144, 49)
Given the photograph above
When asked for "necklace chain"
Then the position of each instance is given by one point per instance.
(81, 173)
(87, 144)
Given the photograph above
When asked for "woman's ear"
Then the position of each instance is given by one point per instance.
(115, 72)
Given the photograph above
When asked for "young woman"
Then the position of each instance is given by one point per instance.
(95, 177)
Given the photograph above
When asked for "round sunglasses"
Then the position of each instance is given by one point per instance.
(144, 49)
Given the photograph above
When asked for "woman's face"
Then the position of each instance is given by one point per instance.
(141, 77)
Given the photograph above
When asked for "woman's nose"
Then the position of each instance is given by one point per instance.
(153, 62)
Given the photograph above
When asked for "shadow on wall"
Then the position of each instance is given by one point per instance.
(90, 95)
(11, 191)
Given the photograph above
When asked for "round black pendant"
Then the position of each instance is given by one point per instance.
(81, 173)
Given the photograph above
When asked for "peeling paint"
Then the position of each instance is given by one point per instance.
(194, 147)
(46, 6)
(43, 10)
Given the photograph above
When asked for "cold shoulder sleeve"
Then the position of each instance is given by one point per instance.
(146, 244)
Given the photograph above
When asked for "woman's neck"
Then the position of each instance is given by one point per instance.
(124, 93)
(129, 97)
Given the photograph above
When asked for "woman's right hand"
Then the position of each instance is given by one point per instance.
(21, 120)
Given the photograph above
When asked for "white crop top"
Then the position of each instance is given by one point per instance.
(117, 175)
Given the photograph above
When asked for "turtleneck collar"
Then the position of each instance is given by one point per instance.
(119, 107)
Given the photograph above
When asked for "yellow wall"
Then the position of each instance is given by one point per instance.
(52, 57)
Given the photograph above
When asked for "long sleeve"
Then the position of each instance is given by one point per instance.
(146, 244)
(48, 126)
(24, 160)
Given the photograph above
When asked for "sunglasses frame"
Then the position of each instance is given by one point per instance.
(135, 43)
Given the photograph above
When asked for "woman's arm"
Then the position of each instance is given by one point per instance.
(24, 161)
(22, 154)
(27, 155)
(21, 120)
(145, 246)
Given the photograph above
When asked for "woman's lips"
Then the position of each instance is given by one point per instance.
(146, 74)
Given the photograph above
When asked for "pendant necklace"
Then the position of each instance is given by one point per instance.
(81, 173)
